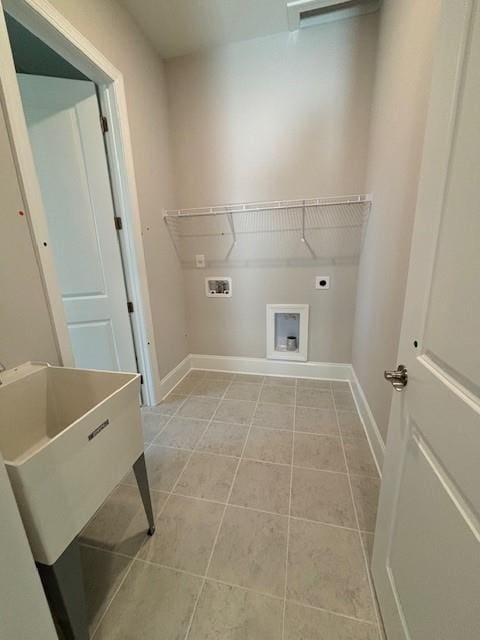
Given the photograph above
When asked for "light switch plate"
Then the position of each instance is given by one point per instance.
(322, 282)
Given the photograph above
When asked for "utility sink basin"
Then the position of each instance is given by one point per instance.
(68, 436)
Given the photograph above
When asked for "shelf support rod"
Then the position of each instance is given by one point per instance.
(303, 239)
(234, 235)
(232, 227)
(172, 236)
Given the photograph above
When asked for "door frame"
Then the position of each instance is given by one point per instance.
(44, 21)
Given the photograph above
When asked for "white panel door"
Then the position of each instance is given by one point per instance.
(426, 560)
(64, 127)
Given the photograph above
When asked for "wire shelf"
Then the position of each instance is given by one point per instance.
(318, 230)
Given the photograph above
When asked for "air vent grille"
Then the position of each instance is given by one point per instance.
(322, 11)
(309, 13)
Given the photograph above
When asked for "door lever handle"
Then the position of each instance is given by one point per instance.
(398, 378)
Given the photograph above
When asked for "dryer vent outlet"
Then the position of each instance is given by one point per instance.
(322, 282)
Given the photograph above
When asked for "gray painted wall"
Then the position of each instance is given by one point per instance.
(281, 117)
(25, 326)
(236, 326)
(404, 65)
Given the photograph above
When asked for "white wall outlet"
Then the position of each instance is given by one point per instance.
(200, 261)
(322, 282)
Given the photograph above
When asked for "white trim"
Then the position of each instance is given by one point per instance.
(370, 426)
(262, 366)
(302, 310)
(119, 148)
(31, 196)
(175, 376)
(42, 19)
(316, 370)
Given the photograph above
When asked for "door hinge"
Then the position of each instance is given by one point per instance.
(118, 223)
(130, 307)
(141, 378)
(104, 124)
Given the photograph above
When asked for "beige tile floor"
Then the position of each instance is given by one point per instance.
(265, 495)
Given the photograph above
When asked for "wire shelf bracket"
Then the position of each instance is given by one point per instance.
(242, 226)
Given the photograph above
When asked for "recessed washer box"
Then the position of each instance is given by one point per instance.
(218, 287)
(287, 331)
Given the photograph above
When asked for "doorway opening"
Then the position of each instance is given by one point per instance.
(81, 200)
(65, 129)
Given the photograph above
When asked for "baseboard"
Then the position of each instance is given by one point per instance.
(371, 428)
(262, 366)
(174, 376)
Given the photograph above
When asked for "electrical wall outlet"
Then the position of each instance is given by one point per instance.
(322, 282)
(200, 261)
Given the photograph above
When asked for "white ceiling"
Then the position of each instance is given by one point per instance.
(178, 27)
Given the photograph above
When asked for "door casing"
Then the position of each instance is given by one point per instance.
(44, 21)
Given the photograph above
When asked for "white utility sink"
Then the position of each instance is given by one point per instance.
(68, 437)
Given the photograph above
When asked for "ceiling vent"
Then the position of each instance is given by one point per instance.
(310, 13)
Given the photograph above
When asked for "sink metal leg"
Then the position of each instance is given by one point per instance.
(63, 586)
(140, 471)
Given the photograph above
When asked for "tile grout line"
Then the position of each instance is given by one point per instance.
(223, 515)
(240, 506)
(364, 551)
(134, 558)
(280, 464)
(97, 626)
(208, 423)
(231, 584)
(192, 451)
(284, 614)
(147, 445)
(242, 457)
(273, 430)
(362, 547)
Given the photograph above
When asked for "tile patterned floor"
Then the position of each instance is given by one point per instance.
(265, 495)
